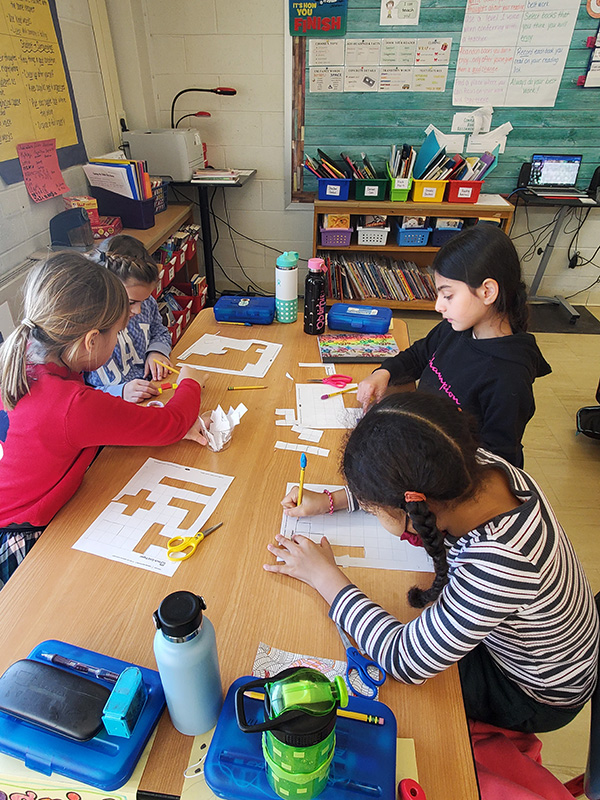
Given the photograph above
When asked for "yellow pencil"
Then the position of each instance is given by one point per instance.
(166, 366)
(231, 388)
(341, 391)
(341, 712)
(302, 471)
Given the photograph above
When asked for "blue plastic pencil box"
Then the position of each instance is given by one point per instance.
(370, 319)
(249, 310)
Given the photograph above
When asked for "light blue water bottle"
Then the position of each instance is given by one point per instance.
(185, 649)
(286, 287)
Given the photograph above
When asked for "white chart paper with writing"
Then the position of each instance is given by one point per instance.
(357, 530)
(213, 344)
(162, 500)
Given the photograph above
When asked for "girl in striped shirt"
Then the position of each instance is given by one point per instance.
(509, 600)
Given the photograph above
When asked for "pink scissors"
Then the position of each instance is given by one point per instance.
(339, 381)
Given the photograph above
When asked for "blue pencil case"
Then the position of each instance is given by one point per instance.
(370, 319)
(103, 761)
(246, 310)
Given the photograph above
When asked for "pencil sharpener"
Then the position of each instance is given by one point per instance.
(125, 704)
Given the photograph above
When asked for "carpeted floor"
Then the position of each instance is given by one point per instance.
(552, 318)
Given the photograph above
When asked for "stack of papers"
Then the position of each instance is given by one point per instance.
(218, 427)
(216, 176)
(128, 178)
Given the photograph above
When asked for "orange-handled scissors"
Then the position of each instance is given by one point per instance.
(179, 548)
(339, 381)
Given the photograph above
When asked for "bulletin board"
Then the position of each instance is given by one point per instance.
(355, 122)
(36, 95)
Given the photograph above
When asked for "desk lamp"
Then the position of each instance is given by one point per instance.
(197, 114)
(217, 90)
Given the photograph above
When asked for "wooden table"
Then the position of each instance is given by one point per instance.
(102, 605)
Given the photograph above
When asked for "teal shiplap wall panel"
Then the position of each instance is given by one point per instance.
(371, 122)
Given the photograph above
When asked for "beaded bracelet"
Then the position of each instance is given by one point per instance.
(330, 496)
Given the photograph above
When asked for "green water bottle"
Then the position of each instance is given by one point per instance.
(298, 734)
(286, 287)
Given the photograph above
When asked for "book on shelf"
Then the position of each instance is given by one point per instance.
(357, 348)
(364, 276)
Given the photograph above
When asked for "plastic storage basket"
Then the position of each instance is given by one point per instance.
(464, 191)
(334, 188)
(336, 237)
(370, 188)
(428, 191)
(440, 236)
(399, 189)
(372, 236)
(412, 237)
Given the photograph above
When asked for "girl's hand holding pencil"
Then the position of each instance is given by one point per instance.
(158, 366)
(372, 389)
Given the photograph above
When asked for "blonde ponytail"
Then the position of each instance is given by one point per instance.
(64, 298)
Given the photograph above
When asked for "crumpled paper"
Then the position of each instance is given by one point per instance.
(218, 426)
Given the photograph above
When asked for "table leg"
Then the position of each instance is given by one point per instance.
(209, 269)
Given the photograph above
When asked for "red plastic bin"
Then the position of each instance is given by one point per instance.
(464, 191)
(198, 301)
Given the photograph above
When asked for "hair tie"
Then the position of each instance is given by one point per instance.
(414, 497)
(28, 323)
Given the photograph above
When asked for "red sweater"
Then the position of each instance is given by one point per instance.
(54, 433)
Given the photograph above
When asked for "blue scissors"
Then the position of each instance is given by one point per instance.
(339, 381)
(364, 675)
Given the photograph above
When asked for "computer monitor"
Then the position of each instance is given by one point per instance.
(554, 171)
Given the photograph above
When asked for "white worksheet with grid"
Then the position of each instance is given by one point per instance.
(162, 499)
(213, 344)
(313, 412)
(381, 549)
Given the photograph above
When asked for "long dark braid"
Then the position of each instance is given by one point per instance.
(425, 524)
(414, 442)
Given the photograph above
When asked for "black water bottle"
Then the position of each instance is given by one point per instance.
(315, 296)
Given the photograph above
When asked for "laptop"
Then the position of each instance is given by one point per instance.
(555, 176)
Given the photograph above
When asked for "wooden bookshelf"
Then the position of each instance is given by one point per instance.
(489, 207)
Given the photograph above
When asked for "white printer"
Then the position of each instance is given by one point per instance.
(170, 152)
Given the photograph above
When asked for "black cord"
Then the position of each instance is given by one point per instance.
(569, 296)
(251, 281)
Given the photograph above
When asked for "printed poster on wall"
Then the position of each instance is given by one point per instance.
(318, 17)
(513, 53)
(36, 98)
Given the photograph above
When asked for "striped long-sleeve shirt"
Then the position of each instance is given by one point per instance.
(515, 584)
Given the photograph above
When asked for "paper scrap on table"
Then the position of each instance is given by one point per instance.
(351, 534)
(307, 434)
(162, 500)
(220, 429)
(302, 448)
(288, 414)
(329, 368)
(194, 785)
(287, 375)
(313, 412)
(211, 344)
(269, 661)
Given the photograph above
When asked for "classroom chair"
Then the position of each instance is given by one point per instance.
(589, 783)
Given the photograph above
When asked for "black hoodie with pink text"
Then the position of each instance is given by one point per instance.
(490, 378)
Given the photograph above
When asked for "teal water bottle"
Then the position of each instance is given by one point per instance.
(286, 287)
(298, 732)
(185, 649)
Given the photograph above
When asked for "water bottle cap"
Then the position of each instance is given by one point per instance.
(288, 260)
(316, 265)
(180, 614)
